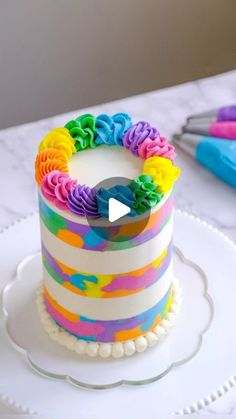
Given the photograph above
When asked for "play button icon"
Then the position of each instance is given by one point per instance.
(120, 224)
(117, 210)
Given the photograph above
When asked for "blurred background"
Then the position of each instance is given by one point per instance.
(61, 55)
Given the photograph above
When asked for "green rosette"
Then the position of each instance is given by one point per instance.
(145, 195)
(83, 130)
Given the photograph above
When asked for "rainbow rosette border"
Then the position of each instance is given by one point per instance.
(87, 131)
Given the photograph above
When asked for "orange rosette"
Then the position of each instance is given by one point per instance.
(48, 160)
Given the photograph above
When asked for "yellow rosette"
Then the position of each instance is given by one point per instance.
(59, 139)
(163, 172)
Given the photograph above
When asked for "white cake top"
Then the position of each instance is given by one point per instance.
(94, 165)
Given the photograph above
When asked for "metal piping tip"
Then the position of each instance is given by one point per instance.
(176, 138)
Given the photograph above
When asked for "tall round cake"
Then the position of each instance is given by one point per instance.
(108, 287)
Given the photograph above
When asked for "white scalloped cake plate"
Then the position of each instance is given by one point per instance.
(212, 364)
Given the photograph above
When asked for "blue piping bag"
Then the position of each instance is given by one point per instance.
(217, 154)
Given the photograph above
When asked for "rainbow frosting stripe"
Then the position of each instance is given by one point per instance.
(108, 330)
(85, 237)
(107, 286)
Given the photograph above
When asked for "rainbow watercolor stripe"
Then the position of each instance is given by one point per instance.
(108, 330)
(83, 236)
(107, 286)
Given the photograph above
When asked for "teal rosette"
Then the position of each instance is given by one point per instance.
(120, 192)
(145, 196)
(111, 129)
(83, 129)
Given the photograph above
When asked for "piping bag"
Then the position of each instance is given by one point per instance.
(224, 129)
(226, 113)
(217, 154)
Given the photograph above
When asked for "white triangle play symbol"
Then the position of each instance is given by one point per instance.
(117, 209)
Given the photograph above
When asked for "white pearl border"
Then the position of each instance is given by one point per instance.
(107, 350)
(15, 406)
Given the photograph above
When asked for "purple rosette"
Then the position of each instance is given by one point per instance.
(137, 134)
(82, 200)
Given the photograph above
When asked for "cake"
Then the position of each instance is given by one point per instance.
(114, 293)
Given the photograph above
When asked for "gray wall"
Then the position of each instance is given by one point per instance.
(60, 55)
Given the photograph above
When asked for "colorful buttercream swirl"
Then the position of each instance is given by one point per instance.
(88, 131)
(111, 129)
(137, 134)
(121, 193)
(116, 237)
(159, 146)
(82, 200)
(107, 286)
(82, 129)
(48, 160)
(56, 187)
(108, 330)
(162, 171)
(145, 195)
(59, 139)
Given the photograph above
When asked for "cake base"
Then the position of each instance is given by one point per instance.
(113, 349)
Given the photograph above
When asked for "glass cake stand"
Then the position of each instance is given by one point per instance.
(175, 366)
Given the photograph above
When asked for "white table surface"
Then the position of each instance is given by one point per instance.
(197, 191)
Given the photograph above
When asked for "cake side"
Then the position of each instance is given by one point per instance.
(109, 295)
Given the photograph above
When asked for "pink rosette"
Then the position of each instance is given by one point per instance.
(158, 146)
(56, 187)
